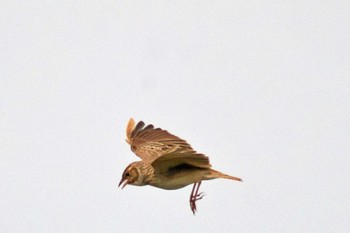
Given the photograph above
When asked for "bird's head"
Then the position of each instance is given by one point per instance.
(132, 175)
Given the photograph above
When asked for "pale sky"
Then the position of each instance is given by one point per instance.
(261, 87)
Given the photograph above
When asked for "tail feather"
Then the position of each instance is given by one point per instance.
(231, 177)
(216, 174)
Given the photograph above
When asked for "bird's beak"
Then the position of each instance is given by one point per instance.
(125, 181)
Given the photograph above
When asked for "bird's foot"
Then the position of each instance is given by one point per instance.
(195, 196)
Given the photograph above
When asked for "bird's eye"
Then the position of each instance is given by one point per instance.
(127, 174)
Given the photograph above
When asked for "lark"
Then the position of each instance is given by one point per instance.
(167, 162)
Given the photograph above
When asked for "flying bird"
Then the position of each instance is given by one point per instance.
(167, 162)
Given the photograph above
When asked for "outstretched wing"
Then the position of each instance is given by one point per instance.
(177, 161)
(149, 143)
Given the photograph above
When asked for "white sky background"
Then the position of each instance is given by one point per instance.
(262, 87)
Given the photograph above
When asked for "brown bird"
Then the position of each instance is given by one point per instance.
(168, 162)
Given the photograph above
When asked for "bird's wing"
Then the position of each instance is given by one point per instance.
(149, 143)
(174, 161)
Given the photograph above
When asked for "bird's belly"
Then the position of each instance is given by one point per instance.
(176, 181)
(171, 185)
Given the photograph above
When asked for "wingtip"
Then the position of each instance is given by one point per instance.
(129, 129)
(131, 121)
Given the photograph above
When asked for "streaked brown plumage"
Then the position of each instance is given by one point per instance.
(167, 162)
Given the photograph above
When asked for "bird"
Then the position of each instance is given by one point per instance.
(167, 162)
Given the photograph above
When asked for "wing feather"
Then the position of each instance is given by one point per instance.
(149, 143)
(129, 128)
(166, 162)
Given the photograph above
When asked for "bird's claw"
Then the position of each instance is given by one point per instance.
(195, 196)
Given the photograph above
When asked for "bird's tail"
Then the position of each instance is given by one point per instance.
(216, 174)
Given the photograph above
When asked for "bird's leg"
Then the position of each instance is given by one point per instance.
(195, 196)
